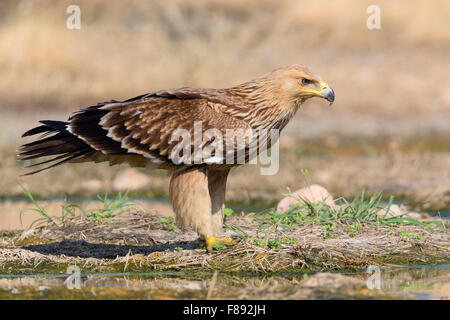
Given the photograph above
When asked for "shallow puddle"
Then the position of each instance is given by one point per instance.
(423, 282)
(419, 282)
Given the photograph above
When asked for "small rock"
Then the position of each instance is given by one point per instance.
(394, 211)
(92, 185)
(130, 179)
(313, 193)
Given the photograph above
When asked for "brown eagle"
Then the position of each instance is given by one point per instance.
(140, 132)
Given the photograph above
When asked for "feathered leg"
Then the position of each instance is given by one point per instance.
(198, 203)
(217, 182)
(190, 199)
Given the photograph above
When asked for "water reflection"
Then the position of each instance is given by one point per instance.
(418, 282)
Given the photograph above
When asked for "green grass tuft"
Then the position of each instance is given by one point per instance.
(111, 208)
(350, 217)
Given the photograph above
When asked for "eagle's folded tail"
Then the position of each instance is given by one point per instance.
(56, 142)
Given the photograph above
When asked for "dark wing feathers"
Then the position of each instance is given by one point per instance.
(36, 130)
(137, 127)
(85, 126)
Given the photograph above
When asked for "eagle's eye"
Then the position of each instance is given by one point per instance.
(305, 81)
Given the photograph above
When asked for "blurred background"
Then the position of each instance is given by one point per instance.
(388, 130)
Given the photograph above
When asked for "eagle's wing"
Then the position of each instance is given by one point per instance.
(139, 129)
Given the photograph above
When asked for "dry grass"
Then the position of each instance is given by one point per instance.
(142, 242)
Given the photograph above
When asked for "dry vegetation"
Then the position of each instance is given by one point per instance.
(140, 242)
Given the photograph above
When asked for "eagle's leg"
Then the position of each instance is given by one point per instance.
(190, 199)
(217, 182)
(193, 204)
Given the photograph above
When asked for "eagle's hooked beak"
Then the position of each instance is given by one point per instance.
(325, 92)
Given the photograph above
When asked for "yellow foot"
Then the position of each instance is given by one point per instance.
(210, 242)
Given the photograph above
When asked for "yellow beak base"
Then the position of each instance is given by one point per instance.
(326, 92)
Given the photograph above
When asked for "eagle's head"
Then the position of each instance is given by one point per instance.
(276, 96)
(295, 84)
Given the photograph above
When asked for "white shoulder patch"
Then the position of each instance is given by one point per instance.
(214, 160)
